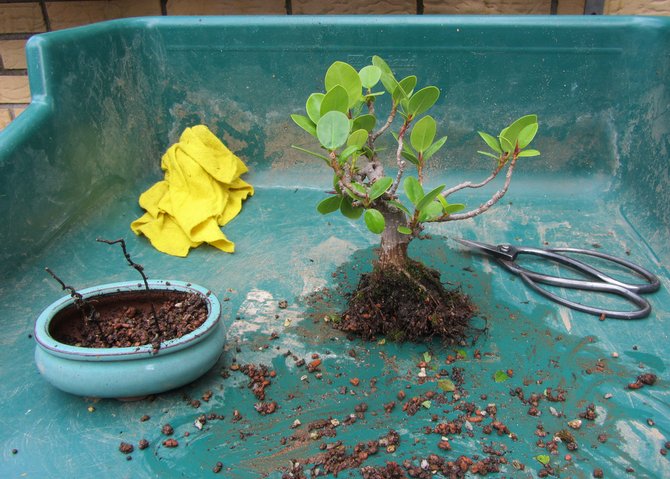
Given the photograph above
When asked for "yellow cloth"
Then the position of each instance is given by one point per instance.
(201, 192)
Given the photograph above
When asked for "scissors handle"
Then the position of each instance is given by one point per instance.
(604, 283)
(653, 283)
(531, 278)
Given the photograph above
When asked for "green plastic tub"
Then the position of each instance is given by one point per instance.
(108, 99)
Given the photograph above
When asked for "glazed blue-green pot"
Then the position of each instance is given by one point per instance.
(129, 372)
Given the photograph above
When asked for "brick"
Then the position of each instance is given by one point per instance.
(13, 54)
(341, 7)
(16, 111)
(570, 7)
(637, 7)
(5, 117)
(72, 14)
(21, 18)
(223, 7)
(487, 7)
(14, 89)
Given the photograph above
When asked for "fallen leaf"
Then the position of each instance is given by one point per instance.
(446, 385)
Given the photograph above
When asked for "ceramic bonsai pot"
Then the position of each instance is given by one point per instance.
(128, 372)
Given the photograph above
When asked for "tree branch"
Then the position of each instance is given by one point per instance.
(87, 309)
(485, 206)
(376, 135)
(344, 177)
(138, 267)
(371, 105)
(470, 184)
(345, 183)
(156, 343)
(399, 160)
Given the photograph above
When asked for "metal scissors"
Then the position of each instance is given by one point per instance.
(506, 254)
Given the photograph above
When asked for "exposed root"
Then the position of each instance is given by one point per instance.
(407, 304)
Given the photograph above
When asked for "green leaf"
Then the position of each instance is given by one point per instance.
(404, 88)
(336, 184)
(462, 353)
(429, 197)
(543, 459)
(372, 96)
(329, 205)
(527, 134)
(432, 149)
(355, 110)
(423, 133)
(359, 187)
(313, 153)
(380, 186)
(512, 132)
(370, 76)
(340, 73)
(347, 152)
(335, 100)
(446, 385)
(358, 138)
(387, 78)
(404, 230)
(407, 151)
(409, 156)
(374, 220)
(426, 404)
(454, 208)
(348, 210)
(389, 82)
(427, 357)
(422, 100)
(381, 64)
(365, 122)
(408, 83)
(332, 130)
(486, 153)
(506, 145)
(304, 123)
(400, 206)
(313, 106)
(527, 153)
(500, 376)
(431, 211)
(493, 142)
(413, 189)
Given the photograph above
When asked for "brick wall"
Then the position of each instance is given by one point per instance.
(20, 19)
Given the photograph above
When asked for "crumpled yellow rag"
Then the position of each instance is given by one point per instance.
(201, 192)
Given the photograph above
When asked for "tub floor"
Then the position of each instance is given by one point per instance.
(285, 251)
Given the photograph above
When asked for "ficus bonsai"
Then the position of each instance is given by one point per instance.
(400, 297)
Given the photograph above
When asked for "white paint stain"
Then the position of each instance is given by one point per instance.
(326, 255)
(566, 317)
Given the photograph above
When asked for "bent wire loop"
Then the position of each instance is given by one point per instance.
(507, 254)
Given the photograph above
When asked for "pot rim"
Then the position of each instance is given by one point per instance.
(51, 345)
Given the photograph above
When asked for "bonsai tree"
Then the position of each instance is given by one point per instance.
(401, 297)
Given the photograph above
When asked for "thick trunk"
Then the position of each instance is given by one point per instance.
(393, 251)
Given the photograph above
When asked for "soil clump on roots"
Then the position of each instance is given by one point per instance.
(407, 304)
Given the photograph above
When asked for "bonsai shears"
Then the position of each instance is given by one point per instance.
(597, 281)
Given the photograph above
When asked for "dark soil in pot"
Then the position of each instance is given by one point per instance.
(131, 319)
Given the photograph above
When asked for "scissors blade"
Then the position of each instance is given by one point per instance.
(503, 251)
